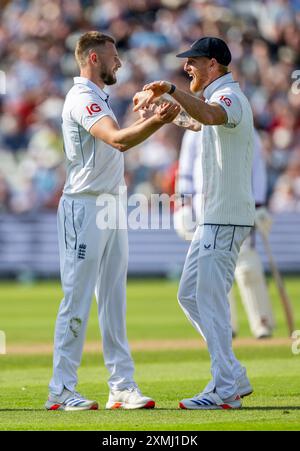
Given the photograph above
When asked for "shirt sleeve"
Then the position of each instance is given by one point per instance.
(89, 109)
(231, 104)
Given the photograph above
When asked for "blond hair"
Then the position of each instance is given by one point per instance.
(89, 41)
(223, 69)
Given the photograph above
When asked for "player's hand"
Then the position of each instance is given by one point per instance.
(263, 221)
(147, 111)
(166, 112)
(157, 89)
(140, 100)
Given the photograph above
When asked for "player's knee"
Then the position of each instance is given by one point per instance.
(249, 274)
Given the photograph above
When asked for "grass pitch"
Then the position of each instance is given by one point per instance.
(27, 315)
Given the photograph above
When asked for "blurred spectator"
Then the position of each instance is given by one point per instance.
(286, 196)
(37, 39)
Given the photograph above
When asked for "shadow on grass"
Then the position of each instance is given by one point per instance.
(162, 409)
(272, 408)
(22, 410)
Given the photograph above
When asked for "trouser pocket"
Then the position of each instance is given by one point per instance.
(72, 215)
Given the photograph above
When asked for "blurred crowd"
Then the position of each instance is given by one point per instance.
(37, 40)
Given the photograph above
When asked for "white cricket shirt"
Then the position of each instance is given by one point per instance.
(225, 158)
(93, 167)
(189, 169)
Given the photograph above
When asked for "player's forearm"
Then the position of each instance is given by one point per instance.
(136, 133)
(195, 107)
(138, 121)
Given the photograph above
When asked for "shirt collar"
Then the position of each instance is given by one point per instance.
(85, 81)
(214, 85)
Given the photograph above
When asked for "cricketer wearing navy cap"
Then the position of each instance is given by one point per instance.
(226, 211)
(210, 48)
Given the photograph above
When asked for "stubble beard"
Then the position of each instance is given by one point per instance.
(107, 77)
(195, 86)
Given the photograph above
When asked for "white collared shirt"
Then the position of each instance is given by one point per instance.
(190, 170)
(224, 91)
(225, 154)
(93, 167)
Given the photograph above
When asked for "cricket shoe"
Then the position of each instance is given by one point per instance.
(70, 401)
(210, 401)
(130, 398)
(244, 388)
(263, 332)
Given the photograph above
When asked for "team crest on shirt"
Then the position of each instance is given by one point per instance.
(93, 108)
(81, 251)
(227, 101)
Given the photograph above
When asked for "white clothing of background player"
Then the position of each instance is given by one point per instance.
(249, 270)
(227, 212)
(94, 259)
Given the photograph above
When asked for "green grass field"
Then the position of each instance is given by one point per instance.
(27, 316)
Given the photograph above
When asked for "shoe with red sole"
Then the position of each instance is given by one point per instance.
(70, 401)
(211, 401)
(130, 398)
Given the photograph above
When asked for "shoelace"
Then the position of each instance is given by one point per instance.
(198, 396)
(134, 388)
(76, 396)
(75, 393)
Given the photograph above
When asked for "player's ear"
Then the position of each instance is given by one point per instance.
(213, 63)
(93, 57)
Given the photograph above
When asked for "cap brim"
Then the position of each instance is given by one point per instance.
(191, 53)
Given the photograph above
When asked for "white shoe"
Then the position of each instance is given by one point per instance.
(70, 401)
(130, 398)
(211, 401)
(263, 332)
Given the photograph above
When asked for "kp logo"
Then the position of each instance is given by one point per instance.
(226, 100)
(94, 108)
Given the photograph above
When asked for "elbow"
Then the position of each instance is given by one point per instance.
(208, 119)
(120, 146)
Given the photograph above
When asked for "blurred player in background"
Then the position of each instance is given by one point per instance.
(227, 212)
(94, 259)
(249, 270)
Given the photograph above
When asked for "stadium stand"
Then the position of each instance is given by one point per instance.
(37, 41)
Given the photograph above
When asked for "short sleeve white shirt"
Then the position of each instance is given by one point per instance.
(225, 154)
(230, 102)
(93, 167)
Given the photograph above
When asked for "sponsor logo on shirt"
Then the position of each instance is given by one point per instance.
(227, 101)
(93, 108)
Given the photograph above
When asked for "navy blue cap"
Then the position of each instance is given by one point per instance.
(211, 48)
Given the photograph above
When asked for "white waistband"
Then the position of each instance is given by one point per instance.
(87, 197)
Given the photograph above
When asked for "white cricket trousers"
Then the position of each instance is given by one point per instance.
(91, 260)
(203, 295)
